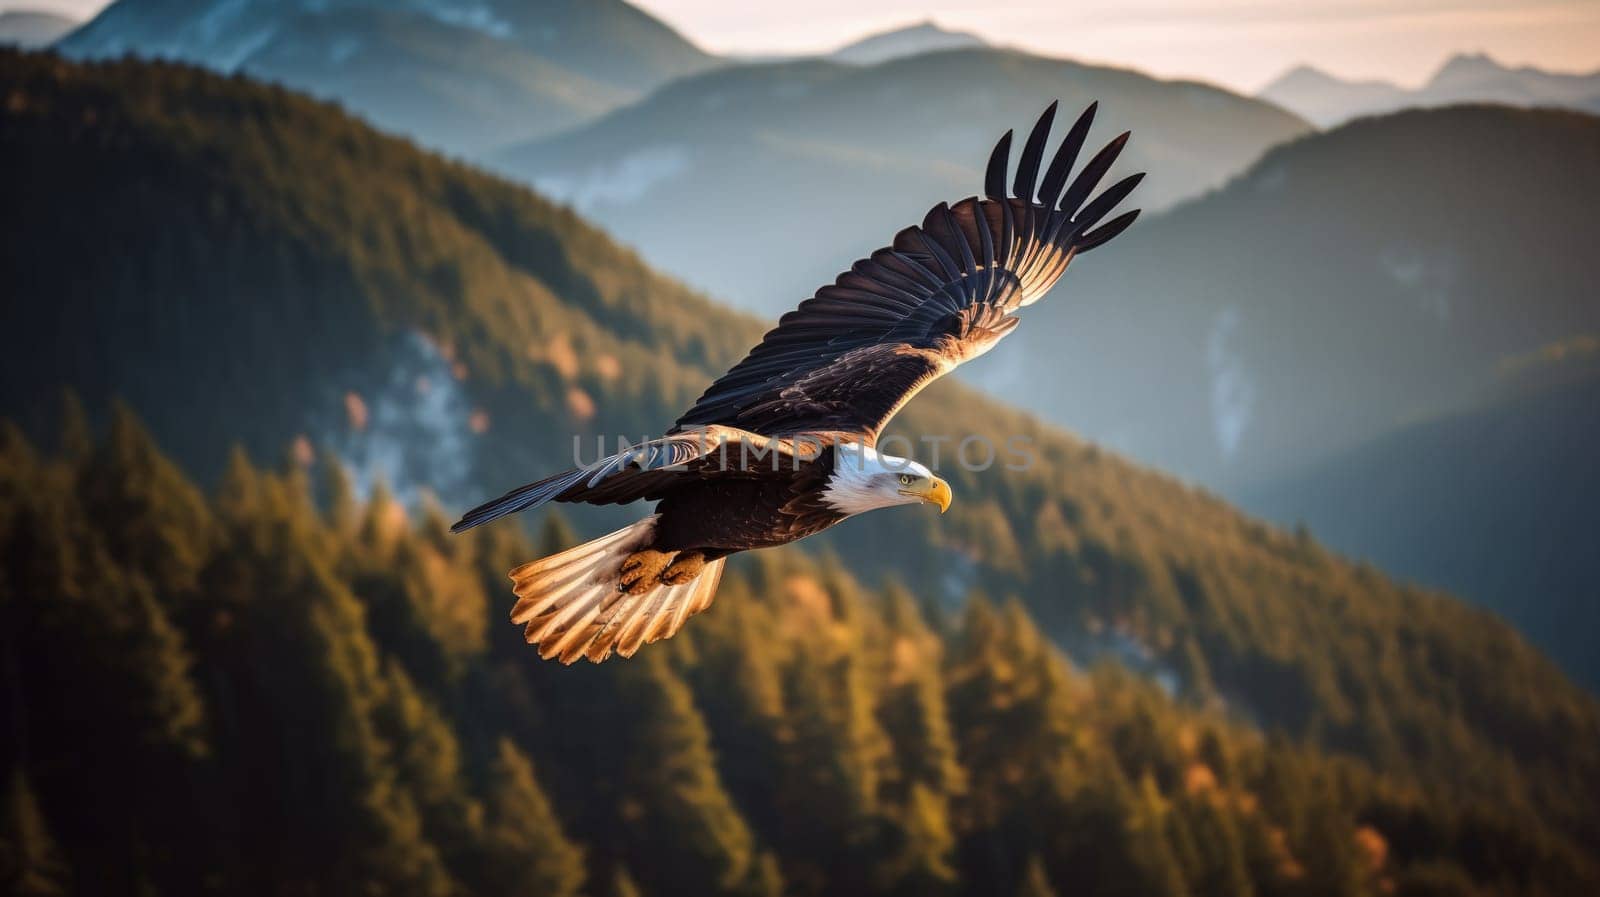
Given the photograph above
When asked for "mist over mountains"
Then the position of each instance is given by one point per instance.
(713, 176)
(1464, 78)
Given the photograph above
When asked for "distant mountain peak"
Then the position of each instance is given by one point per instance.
(1466, 68)
(1308, 77)
(1301, 74)
(1469, 77)
(909, 40)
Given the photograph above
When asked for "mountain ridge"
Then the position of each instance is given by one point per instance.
(862, 151)
(458, 77)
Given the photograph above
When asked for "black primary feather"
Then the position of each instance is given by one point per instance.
(1066, 156)
(1106, 201)
(1028, 166)
(994, 178)
(1091, 174)
(1101, 235)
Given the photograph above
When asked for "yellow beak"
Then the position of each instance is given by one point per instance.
(934, 492)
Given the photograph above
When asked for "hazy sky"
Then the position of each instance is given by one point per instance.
(1238, 43)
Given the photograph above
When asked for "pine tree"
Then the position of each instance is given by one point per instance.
(496, 551)
(21, 484)
(924, 776)
(918, 863)
(622, 885)
(100, 635)
(1035, 881)
(1010, 700)
(388, 846)
(30, 863)
(444, 594)
(828, 796)
(1217, 864)
(111, 758)
(1153, 868)
(239, 500)
(738, 686)
(427, 761)
(382, 524)
(913, 710)
(1327, 848)
(151, 518)
(340, 507)
(686, 835)
(524, 850)
(321, 781)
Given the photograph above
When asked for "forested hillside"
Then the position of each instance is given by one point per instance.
(1499, 502)
(243, 266)
(283, 689)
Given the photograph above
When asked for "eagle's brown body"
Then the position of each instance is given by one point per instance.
(781, 446)
(722, 515)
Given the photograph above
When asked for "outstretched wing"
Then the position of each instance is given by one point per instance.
(849, 357)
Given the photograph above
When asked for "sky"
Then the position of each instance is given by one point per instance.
(1241, 44)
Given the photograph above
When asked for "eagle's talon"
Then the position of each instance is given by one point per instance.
(642, 570)
(685, 568)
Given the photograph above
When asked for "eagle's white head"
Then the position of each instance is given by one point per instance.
(864, 479)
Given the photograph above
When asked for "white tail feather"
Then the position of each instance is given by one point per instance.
(571, 607)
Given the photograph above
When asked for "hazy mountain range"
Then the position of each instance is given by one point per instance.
(762, 182)
(33, 28)
(1347, 283)
(461, 76)
(1465, 78)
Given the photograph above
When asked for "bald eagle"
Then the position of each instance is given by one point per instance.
(784, 444)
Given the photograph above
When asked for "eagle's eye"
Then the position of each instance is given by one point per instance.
(905, 479)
